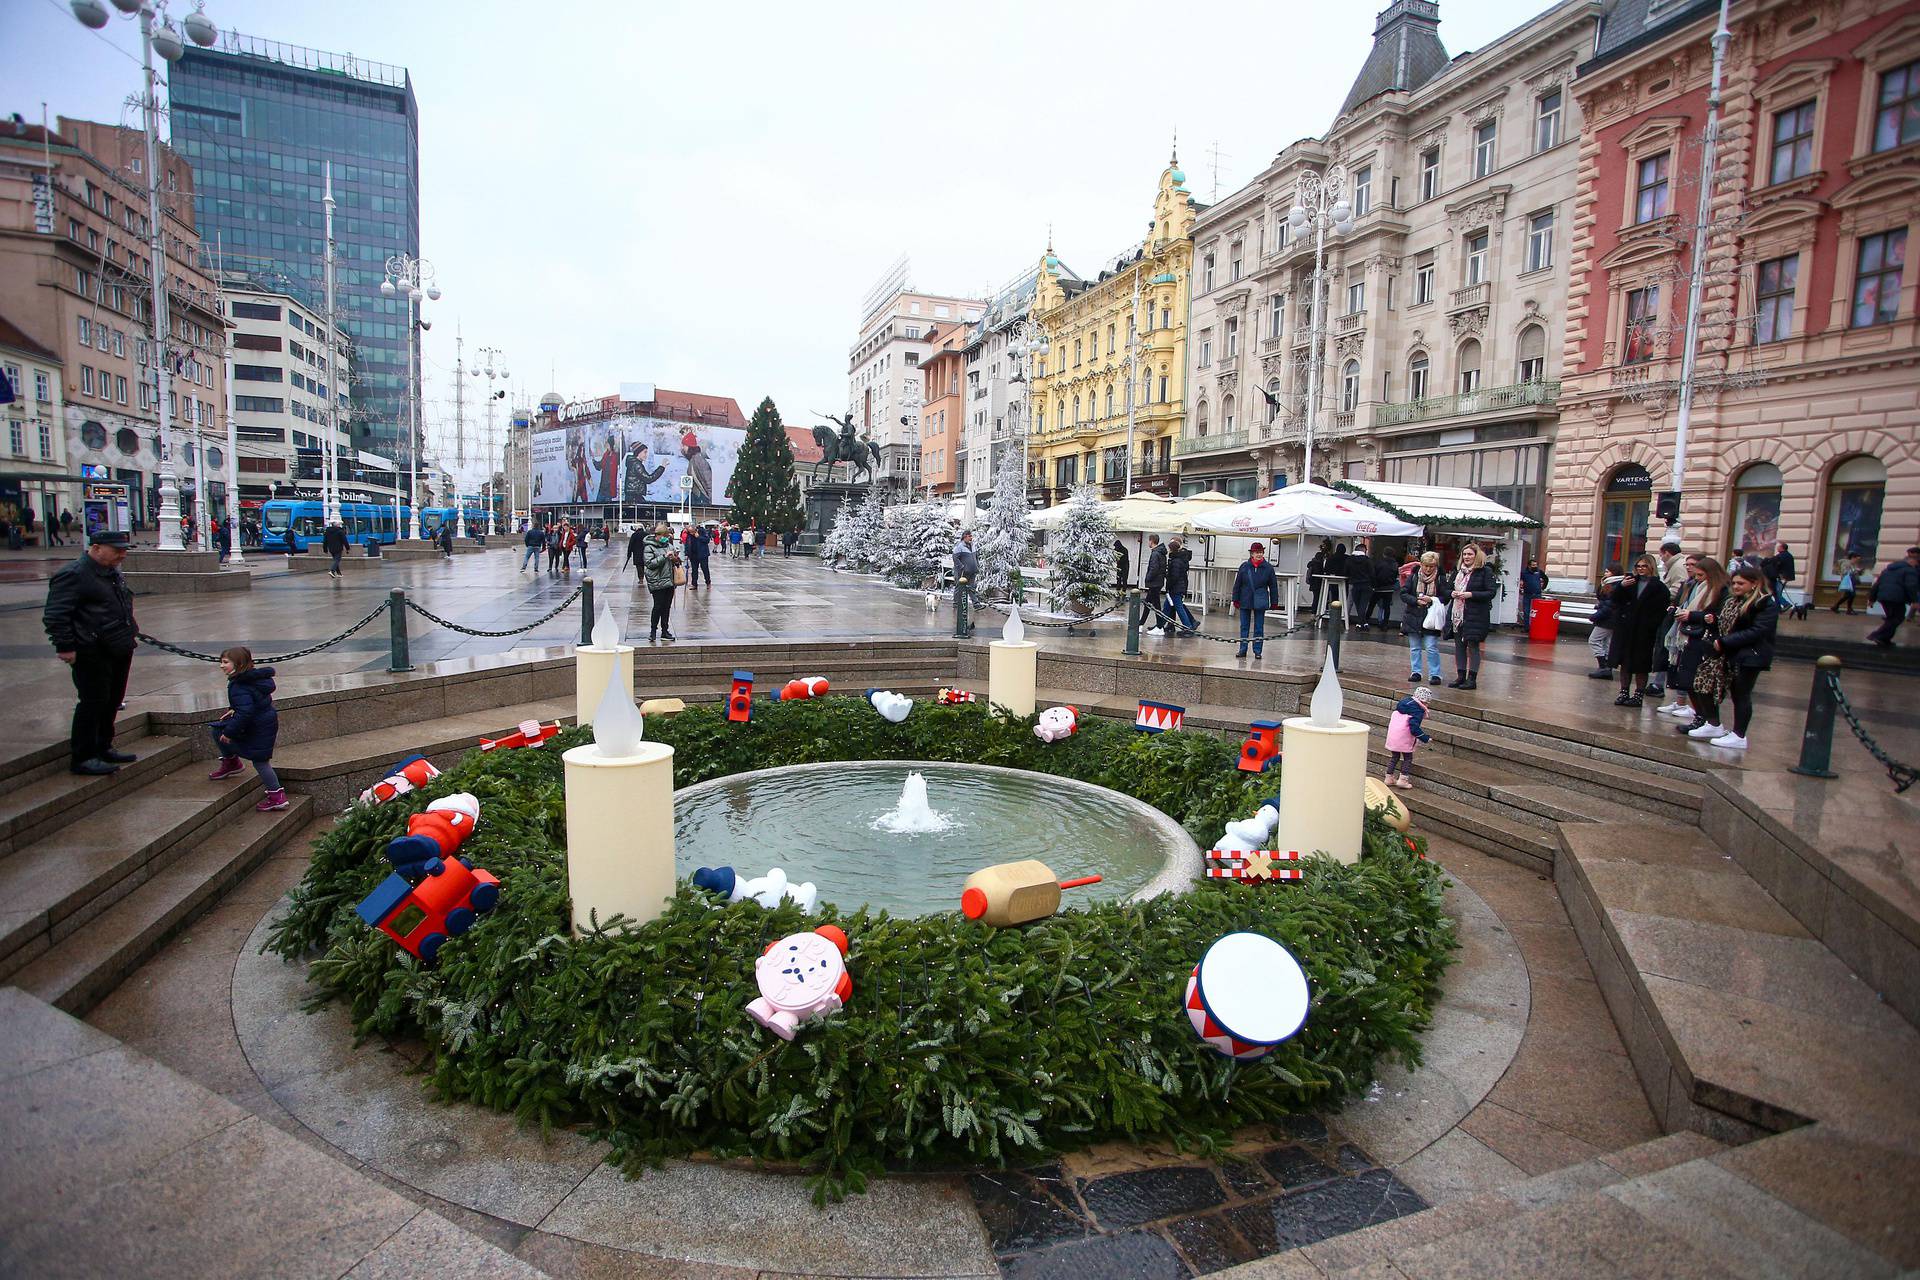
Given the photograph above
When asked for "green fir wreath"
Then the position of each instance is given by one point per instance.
(961, 1044)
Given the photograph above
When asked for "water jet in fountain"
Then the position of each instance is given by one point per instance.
(914, 815)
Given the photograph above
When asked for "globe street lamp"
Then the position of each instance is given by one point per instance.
(1322, 201)
(413, 277)
(165, 41)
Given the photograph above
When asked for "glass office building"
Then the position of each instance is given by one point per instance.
(259, 121)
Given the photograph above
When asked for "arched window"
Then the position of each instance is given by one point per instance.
(1273, 405)
(1533, 354)
(1855, 493)
(1109, 399)
(1417, 376)
(1200, 419)
(1469, 366)
(1349, 386)
(1076, 411)
(1146, 386)
(1756, 510)
(1226, 414)
(1060, 415)
(1623, 517)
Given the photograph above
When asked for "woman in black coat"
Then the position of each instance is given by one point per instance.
(1743, 640)
(1640, 613)
(1470, 617)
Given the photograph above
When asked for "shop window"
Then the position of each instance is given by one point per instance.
(1856, 492)
(1623, 523)
(1756, 510)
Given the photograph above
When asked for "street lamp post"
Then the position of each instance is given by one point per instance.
(414, 277)
(1027, 341)
(165, 41)
(491, 354)
(1321, 200)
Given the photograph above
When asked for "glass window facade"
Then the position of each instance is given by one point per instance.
(259, 122)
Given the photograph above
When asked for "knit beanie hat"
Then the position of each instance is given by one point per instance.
(1423, 695)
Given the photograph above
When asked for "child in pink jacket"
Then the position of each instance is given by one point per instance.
(1403, 732)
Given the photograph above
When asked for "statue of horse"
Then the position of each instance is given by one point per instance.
(862, 456)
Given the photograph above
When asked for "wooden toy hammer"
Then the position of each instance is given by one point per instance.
(1011, 893)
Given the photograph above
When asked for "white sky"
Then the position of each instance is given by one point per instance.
(699, 195)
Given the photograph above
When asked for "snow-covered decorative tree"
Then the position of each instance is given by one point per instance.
(836, 549)
(918, 540)
(1003, 540)
(858, 529)
(1082, 552)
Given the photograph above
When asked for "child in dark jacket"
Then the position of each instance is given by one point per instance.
(1403, 730)
(248, 730)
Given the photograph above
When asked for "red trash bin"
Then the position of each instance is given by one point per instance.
(1544, 625)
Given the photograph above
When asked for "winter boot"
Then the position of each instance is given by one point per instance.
(1473, 680)
(1601, 672)
(273, 800)
(228, 766)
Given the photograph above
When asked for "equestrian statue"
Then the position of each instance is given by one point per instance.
(862, 454)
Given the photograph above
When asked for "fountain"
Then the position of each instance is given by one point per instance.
(913, 815)
(903, 836)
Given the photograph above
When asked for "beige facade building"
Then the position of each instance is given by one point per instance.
(883, 368)
(34, 478)
(74, 278)
(1445, 302)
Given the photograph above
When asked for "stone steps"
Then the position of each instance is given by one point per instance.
(117, 1166)
(60, 883)
(35, 803)
(79, 971)
(1678, 1206)
(1738, 1021)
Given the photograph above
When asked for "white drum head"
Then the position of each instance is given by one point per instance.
(1253, 988)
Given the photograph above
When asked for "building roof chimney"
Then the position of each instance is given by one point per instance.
(1406, 52)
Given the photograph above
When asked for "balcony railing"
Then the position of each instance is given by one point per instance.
(1485, 400)
(1187, 446)
(1352, 320)
(1474, 295)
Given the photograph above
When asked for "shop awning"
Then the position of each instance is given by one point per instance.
(1306, 509)
(1438, 506)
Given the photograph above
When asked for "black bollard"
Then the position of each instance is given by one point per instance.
(1816, 740)
(1133, 624)
(1334, 616)
(960, 627)
(586, 611)
(398, 659)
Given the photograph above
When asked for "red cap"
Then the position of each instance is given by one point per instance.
(689, 441)
(973, 904)
(834, 934)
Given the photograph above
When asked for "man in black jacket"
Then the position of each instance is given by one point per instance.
(1896, 590)
(89, 619)
(334, 542)
(1154, 586)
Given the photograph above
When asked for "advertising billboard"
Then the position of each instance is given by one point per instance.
(633, 459)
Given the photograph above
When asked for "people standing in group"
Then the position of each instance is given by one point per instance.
(1405, 732)
(1316, 567)
(698, 548)
(333, 540)
(248, 730)
(552, 543)
(1255, 590)
(1386, 586)
(661, 563)
(1153, 584)
(1640, 615)
(1694, 615)
(1856, 577)
(1179, 558)
(89, 620)
(1742, 639)
(1896, 591)
(535, 539)
(566, 536)
(1470, 615)
(1419, 592)
(1533, 585)
(1359, 588)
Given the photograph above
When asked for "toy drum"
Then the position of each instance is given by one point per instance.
(1246, 995)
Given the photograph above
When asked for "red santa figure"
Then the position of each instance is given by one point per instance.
(433, 836)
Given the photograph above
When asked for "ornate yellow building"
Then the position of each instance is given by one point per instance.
(1117, 353)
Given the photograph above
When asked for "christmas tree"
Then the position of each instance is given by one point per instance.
(1003, 541)
(917, 541)
(836, 549)
(764, 490)
(1082, 552)
(863, 524)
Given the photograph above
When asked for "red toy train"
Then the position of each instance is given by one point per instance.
(443, 905)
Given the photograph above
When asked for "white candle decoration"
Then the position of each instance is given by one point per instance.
(606, 629)
(1015, 631)
(618, 726)
(1324, 710)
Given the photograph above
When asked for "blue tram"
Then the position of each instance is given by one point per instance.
(293, 525)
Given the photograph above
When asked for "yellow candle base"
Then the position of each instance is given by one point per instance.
(619, 834)
(1012, 675)
(591, 666)
(1323, 787)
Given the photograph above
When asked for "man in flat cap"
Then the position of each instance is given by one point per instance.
(89, 619)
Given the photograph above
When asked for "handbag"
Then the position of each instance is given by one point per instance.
(679, 575)
(1436, 619)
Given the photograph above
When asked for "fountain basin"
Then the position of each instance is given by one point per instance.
(817, 822)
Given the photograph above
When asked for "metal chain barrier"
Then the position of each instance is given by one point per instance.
(1903, 775)
(1027, 621)
(555, 612)
(176, 650)
(1162, 616)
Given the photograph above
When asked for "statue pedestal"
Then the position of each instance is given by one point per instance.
(1012, 675)
(1323, 787)
(592, 664)
(619, 833)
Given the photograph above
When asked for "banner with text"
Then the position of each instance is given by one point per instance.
(634, 460)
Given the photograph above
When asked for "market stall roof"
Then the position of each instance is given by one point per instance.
(1126, 513)
(1437, 505)
(1180, 515)
(1305, 509)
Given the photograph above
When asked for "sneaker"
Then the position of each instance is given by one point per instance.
(273, 801)
(1433, 679)
(1730, 740)
(228, 766)
(1677, 709)
(95, 768)
(1706, 731)
(1414, 678)
(1657, 690)
(1405, 783)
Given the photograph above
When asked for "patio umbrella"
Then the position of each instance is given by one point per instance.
(1306, 510)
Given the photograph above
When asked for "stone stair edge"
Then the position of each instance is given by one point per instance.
(83, 968)
(22, 761)
(69, 791)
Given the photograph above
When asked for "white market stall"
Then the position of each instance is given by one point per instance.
(1462, 515)
(1299, 512)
